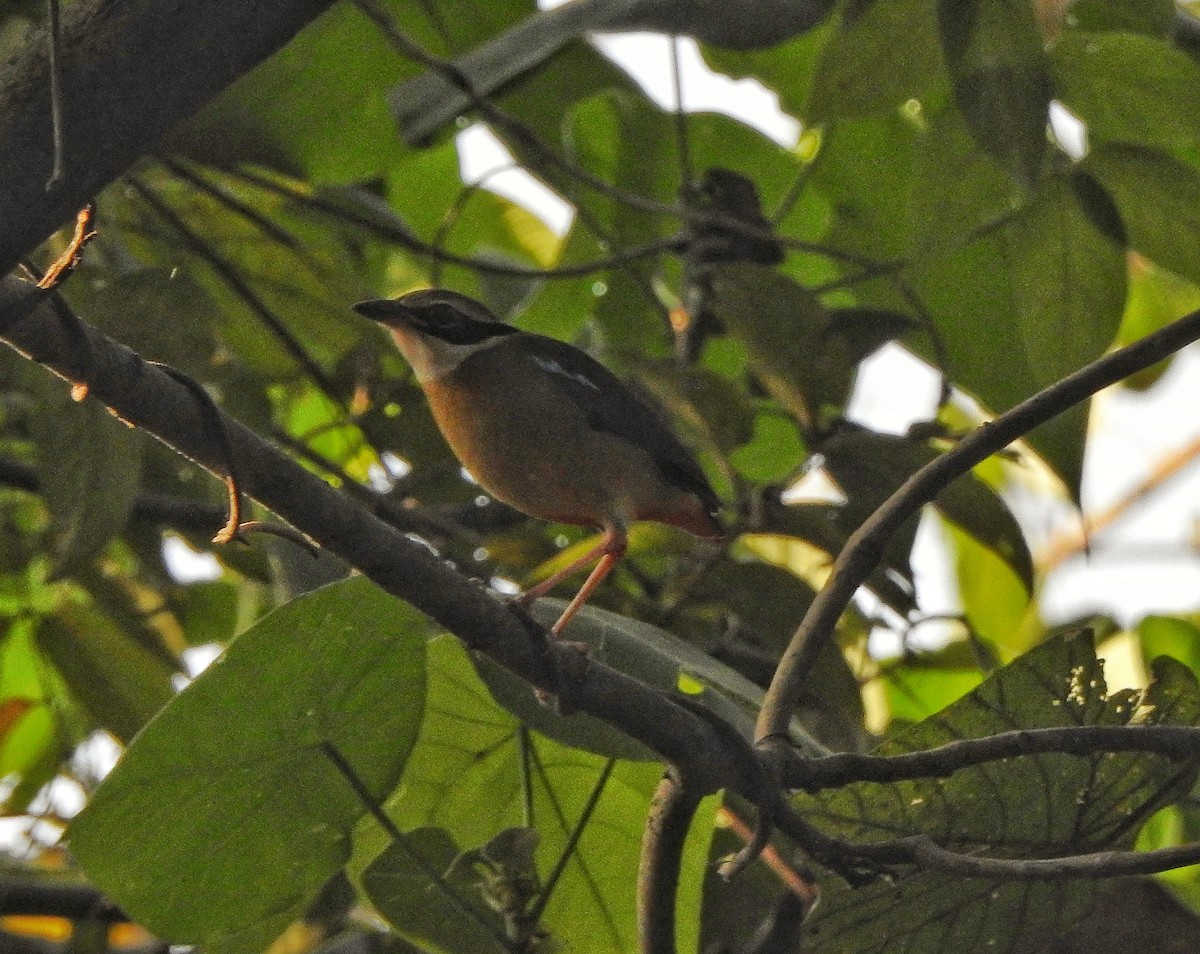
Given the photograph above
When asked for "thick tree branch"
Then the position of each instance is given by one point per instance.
(130, 70)
(162, 406)
(864, 549)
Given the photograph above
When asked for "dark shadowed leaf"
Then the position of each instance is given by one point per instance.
(1001, 79)
(1035, 806)
(89, 463)
(417, 887)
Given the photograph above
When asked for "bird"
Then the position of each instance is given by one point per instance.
(427, 102)
(547, 429)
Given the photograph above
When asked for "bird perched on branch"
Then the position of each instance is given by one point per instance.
(547, 429)
(426, 103)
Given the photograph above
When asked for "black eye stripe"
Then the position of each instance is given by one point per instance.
(449, 324)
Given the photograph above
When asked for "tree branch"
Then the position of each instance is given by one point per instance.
(832, 771)
(870, 859)
(130, 70)
(864, 549)
(671, 812)
(152, 400)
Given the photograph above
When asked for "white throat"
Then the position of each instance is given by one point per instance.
(431, 358)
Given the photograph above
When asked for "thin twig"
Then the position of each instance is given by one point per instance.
(229, 275)
(844, 768)
(864, 549)
(801, 887)
(53, 36)
(686, 172)
(72, 255)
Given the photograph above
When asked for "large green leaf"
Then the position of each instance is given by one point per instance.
(465, 776)
(1158, 199)
(119, 682)
(1027, 303)
(1001, 80)
(318, 107)
(851, 79)
(1034, 806)
(225, 816)
(1128, 87)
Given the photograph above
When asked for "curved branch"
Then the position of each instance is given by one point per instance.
(671, 812)
(864, 549)
(860, 862)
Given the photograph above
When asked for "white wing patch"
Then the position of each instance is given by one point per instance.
(549, 364)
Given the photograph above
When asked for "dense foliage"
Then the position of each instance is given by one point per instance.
(347, 768)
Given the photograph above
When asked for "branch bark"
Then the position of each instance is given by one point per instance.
(154, 401)
(864, 549)
(131, 69)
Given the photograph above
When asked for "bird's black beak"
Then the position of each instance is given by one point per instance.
(387, 311)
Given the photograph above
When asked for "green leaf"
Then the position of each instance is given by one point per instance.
(416, 885)
(465, 776)
(851, 77)
(921, 684)
(319, 106)
(225, 817)
(1001, 79)
(1032, 806)
(1024, 305)
(1159, 202)
(1153, 17)
(89, 464)
(994, 598)
(121, 683)
(1128, 88)
(864, 171)
(1156, 298)
(1170, 636)
(957, 188)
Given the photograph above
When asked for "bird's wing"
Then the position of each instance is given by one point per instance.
(610, 406)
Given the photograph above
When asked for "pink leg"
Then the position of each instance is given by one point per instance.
(609, 553)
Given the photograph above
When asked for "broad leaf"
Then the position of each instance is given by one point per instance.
(1128, 88)
(1025, 304)
(1001, 79)
(465, 776)
(225, 816)
(89, 464)
(1033, 806)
